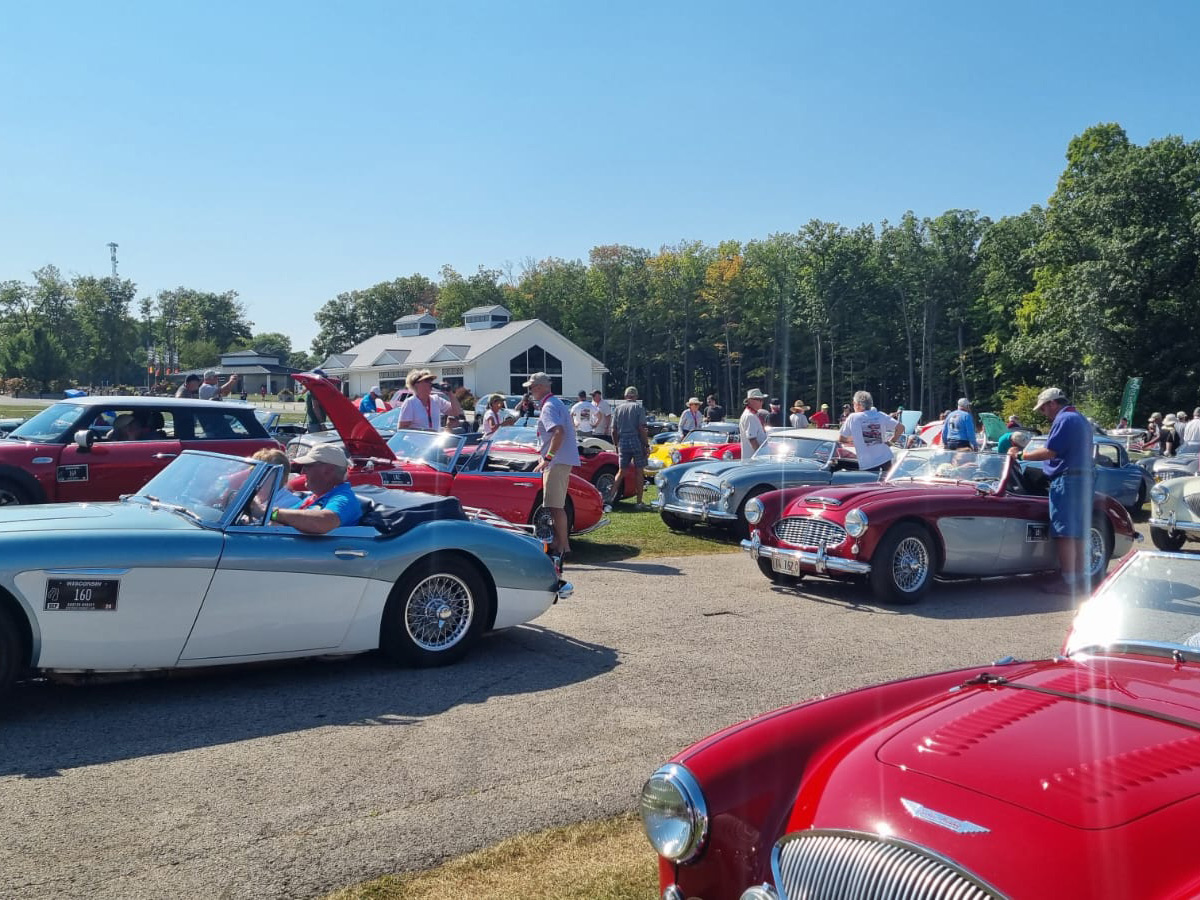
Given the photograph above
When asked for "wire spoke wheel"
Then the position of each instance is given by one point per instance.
(439, 612)
(910, 564)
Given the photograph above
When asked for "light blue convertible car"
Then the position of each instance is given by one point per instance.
(1116, 475)
(188, 572)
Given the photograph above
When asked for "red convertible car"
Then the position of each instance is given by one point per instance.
(939, 513)
(440, 462)
(1070, 777)
(518, 444)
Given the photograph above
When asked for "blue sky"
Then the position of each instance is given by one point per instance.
(291, 151)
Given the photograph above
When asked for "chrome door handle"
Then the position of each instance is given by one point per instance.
(522, 484)
(349, 554)
(165, 455)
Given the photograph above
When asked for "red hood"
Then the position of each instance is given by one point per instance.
(850, 495)
(359, 435)
(1085, 765)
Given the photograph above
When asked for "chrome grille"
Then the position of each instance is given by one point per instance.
(697, 494)
(1193, 503)
(822, 865)
(806, 531)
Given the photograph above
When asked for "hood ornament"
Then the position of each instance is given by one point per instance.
(933, 817)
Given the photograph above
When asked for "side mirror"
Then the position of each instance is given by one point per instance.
(84, 438)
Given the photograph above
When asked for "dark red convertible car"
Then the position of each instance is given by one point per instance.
(1077, 776)
(440, 462)
(940, 513)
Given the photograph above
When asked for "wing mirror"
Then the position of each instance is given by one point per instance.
(84, 438)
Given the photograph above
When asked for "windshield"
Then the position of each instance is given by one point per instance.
(52, 424)
(788, 448)
(437, 448)
(936, 464)
(198, 484)
(386, 421)
(709, 437)
(512, 434)
(1153, 599)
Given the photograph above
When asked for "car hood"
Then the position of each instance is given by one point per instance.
(359, 436)
(751, 466)
(1089, 747)
(78, 516)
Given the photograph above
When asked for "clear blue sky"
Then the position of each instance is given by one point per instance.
(291, 151)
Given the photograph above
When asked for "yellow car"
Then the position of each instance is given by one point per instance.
(670, 452)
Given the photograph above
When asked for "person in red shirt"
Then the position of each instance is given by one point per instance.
(820, 419)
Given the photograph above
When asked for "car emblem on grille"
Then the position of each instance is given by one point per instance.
(933, 817)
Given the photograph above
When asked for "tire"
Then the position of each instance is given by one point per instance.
(1166, 540)
(676, 523)
(435, 613)
(12, 494)
(764, 566)
(1140, 503)
(607, 483)
(543, 525)
(11, 651)
(904, 564)
(1099, 549)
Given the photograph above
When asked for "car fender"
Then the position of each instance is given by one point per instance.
(26, 482)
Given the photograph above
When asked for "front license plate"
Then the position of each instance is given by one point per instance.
(786, 565)
(91, 594)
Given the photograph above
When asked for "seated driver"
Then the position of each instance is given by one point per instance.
(332, 503)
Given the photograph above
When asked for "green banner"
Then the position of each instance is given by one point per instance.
(1129, 398)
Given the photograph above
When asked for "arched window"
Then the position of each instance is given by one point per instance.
(535, 359)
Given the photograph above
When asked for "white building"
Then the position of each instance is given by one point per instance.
(488, 352)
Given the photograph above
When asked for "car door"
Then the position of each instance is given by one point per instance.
(1026, 544)
(277, 592)
(110, 468)
(510, 496)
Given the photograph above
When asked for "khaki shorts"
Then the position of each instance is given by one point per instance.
(554, 486)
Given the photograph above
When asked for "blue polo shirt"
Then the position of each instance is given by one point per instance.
(340, 500)
(959, 426)
(1071, 440)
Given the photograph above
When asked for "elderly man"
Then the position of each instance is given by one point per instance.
(632, 438)
(210, 390)
(559, 449)
(958, 430)
(1069, 466)
(332, 503)
(190, 389)
(426, 407)
(750, 425)
(870, 431)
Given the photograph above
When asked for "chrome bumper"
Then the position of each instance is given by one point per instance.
(819, 561)
(1170, 524)
(699, 513)
(603, 521)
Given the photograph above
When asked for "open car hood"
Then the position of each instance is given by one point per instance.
(1053, 753)
(359, 435)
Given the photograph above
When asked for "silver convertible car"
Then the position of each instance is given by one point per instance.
(188, 572)
(715, 493)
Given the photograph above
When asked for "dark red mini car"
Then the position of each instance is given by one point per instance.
(98, 448)
(1077, 776)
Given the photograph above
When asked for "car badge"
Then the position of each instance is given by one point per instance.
(824, 501)
(933, 817)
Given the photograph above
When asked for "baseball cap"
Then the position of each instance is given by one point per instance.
(374, 389)
(1050, 393)
(191, 376)
(537, 378)
(583, 395)
(210, 373)
(322, 453)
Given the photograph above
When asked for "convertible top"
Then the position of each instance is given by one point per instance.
(393, 513)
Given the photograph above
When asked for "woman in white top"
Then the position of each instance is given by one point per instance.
(425, 409)
(798, 419)
(495, 416)
(690, 419)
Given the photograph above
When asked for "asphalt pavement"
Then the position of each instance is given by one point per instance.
(292, 780)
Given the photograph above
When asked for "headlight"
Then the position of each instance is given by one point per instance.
(754, 510)
(654, 463)
(1158, 493)
(674, 814)
(660, 480)
(856, 523)
(674, 456)
(728, 454)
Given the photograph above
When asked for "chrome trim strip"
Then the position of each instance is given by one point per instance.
(820, 562)
(87, 571)
(933, 817)
(700, 512)
(603, 521)
(1172, 525)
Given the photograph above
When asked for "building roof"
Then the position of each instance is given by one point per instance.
(443, 345)
(482, 310)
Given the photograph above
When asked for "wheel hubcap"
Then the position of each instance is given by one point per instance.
(910, 565)
(440, 610)
(1095, 552)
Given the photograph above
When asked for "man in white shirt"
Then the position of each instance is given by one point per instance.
(870, 430)
(1191, 431)
(750, 425)
(603, 423)
(583, 415)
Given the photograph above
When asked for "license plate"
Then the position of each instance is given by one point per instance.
(73, 594)
(786, 565)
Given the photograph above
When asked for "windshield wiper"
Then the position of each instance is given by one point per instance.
(174, 507)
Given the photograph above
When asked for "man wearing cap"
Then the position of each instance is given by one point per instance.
(820, 419)
(190, 389)
(690, 419)
(332, 503)
(750, 426)
(559, 449)
(958, 431)
(1068, 464)
(870, 430)
(425, 408)
(798, 419)
(632, 438)
(369, 404)
(583, 416)
(210, 390)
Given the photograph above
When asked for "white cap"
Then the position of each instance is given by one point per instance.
(323, 453)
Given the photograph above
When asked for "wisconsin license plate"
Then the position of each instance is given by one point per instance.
(785, 565)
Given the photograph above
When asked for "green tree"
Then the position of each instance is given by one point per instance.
(108, 333)
(34, 353)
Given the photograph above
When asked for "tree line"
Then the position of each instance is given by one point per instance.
(1097, 285)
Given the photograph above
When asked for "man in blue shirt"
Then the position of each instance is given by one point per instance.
(1069, 466)
(958, 431)
(332, 503)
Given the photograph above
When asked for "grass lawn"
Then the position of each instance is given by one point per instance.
(631, 533)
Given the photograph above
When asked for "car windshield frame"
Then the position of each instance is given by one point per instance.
(703, 435)
(1149, 606)
(33, 428)
(177, 486)
(508, 434)
(429, 447)
(771, 447)
(938, 465)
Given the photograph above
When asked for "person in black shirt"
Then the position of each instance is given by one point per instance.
(714, 412)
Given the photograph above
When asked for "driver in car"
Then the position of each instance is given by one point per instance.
(332, 503)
